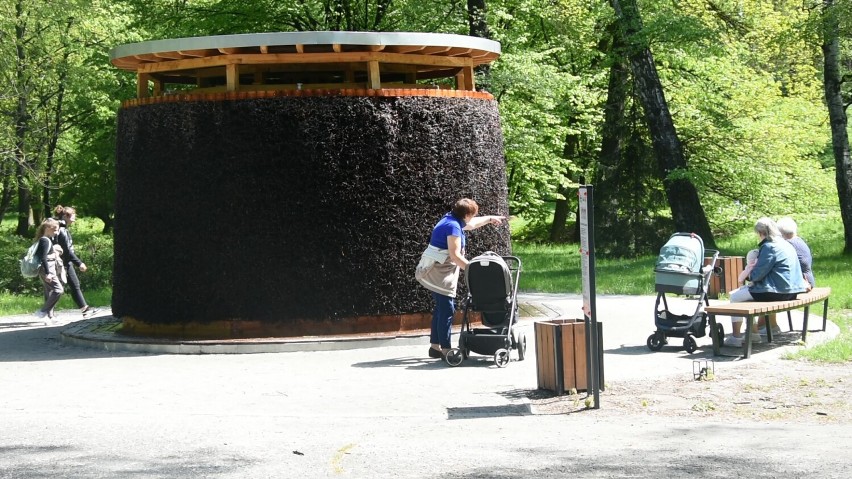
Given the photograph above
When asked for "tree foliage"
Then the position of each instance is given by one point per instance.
(743, 81)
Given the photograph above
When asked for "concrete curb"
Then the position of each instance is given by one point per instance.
(101, 333)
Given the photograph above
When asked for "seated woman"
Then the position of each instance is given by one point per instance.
(776, 276)
(789, 230)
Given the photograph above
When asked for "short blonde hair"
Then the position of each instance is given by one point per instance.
(787, 227)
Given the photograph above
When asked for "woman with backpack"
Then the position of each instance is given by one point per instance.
(66, 216)
(50, 270)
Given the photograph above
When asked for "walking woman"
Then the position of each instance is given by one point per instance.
(66, 216)
(438, 270)
(50, 271)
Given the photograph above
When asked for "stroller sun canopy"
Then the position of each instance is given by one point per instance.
(683, 253)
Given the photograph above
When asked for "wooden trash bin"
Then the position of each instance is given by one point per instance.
(726, 281)
(560, 353)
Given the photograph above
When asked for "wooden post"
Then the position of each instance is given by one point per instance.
(232, 76)
(374, 81)
(411, 75)
(142, 85)
(464, 79)
(158, 86)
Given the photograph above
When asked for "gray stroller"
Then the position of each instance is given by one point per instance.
(492, 285)
(680, 270)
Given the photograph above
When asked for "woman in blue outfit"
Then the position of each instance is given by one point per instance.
(439, 266)
(776, 276)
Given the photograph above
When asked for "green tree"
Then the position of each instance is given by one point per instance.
(59, 85)
(687, 212)
(832, 14)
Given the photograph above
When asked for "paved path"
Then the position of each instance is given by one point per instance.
(385, 411)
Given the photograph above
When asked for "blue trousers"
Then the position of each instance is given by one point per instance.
(442, 320)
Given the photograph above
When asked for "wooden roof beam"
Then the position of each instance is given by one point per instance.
(406, 49)
(294, 58)
(198, 53)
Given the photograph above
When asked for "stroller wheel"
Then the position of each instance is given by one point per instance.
(655, 341)
(689, 344)
(454, 357)
(501, 358)
(465, 351)
(522, 346)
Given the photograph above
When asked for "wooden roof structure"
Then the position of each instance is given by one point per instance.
(303, 60)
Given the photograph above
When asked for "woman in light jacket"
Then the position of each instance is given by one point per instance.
(50, 271)
(776, 276)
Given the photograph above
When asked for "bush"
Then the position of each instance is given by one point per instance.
(94, 249)
(12, 249)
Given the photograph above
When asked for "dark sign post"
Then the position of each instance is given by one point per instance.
(594, 356)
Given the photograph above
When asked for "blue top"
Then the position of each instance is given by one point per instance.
(777, 269)
(449, 225)
(805, 259)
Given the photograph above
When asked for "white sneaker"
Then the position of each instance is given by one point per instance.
(733, 341)
(755, 338)
(775, 331)
(89, 312)
(40, 314)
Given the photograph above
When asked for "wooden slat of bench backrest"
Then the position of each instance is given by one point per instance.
(757, 307)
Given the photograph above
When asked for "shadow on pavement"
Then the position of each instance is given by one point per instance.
(22, 341)
(423, 363)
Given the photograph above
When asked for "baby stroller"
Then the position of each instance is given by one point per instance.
(680, 270)
(492, 285)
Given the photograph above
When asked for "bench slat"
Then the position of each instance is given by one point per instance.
(758, 307)
(749, 310)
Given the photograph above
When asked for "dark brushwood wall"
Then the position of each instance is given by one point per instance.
(295, 207)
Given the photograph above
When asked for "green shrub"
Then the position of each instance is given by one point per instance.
(12, 249)
(93, 248)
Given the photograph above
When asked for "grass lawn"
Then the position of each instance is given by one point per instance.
(556, 269)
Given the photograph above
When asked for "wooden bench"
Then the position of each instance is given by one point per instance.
(750, 309)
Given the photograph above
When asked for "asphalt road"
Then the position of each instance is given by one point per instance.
(73, 412)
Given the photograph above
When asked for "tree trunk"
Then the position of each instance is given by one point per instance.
(57, 121)
(108, 222)
(560, 214)
(837, 116)
(687, 212)
(8, 189)
(614, 132)
(478, 27)
(21, 123)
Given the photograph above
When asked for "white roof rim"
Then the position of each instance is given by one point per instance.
(305, 38)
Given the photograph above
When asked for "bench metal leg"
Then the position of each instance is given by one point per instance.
(717, 341)
(824, 313)
(790, 320)
(747, 337)
(805, 324)
(768, 328)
